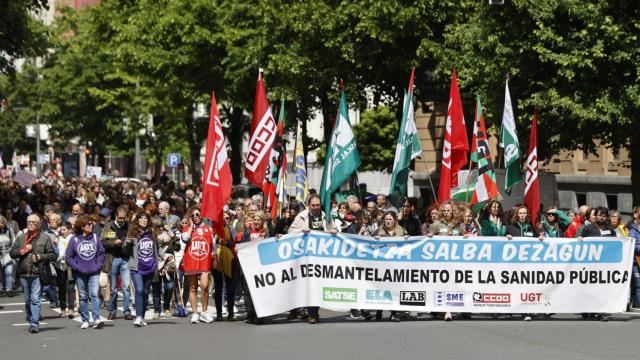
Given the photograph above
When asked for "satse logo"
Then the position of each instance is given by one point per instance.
(331, 294)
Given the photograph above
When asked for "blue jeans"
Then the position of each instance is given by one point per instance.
(32, 292)
(6, 278)
(120, 266)
(157, 290)
(88, 286)
(636, 282)
(142, 283)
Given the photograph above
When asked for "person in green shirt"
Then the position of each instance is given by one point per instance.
(555, 223)
(491, 220)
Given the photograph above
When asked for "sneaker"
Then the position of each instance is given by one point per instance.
(98, 325)
(138, 322)
(144, 322)
(448, 317)
(205, 317)
(231, 317)
(85, 325)
(355, 313)
(156, 315)
(194, 319)
(111, 316)
(167, 313)
(219, 317)
(63, 313)
(527, 318)
(70, 314)
(34, 329)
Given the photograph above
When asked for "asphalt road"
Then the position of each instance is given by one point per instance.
(336, 337)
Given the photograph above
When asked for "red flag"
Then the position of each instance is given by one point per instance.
(263, 132)
(456, 145)
(217, 177)
(277, 165)
(532, 186)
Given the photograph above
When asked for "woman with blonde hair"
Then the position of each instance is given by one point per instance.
(449, 221)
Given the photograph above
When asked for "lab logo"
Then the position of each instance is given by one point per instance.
(413, 298)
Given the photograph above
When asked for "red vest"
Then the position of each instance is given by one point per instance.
(198, 255)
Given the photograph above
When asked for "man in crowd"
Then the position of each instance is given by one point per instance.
(312, 218)
(117, 262)
(33, 251)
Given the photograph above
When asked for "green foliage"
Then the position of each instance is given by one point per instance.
(576, 62)
(20, 34)
(376, 135)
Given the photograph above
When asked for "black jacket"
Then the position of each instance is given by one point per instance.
(41, 245)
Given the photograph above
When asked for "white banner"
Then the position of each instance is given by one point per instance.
(477, 274)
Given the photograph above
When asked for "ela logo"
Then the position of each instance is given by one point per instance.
(347, 295)
(379, 297)
(413, 298)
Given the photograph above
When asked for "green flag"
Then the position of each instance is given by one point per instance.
(408, 148)
(342, 158)
(509, 144)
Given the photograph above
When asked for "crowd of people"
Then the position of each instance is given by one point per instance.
(80, 243)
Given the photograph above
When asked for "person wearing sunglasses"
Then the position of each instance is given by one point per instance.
(555, 223)
(198, 261)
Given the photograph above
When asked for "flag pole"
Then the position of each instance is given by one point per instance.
(426, 165)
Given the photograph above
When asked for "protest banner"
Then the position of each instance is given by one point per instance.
(94, 171)
(441, 274)
(24, 178)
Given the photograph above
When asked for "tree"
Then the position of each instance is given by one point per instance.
(576, 62)
(20, 34)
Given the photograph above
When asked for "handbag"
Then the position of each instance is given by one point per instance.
(46, 276)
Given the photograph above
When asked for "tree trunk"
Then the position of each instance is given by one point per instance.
(328, 116)
(194, 147)
(235, 137)
(635, 168)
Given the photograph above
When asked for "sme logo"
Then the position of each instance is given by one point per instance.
(449, 298)
(341, 295)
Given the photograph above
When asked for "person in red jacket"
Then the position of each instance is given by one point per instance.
(198, 261)
(576, 222)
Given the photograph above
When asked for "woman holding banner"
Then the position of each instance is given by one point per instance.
(449, 223)
(257, 232)
(492, 220)
(521, 226)
(390, 228)
(555, 223)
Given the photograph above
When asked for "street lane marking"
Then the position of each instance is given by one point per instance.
(10, 312)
